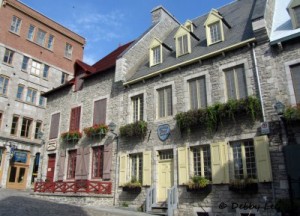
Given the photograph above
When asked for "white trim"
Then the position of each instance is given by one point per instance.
(290, 85)
(93, 106)
(129, 105)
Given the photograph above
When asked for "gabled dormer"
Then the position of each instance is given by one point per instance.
(189, 25)
(294, 11)
(155, 52)
(182, 41)
(214, 27)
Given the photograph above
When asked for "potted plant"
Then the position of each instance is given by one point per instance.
(199, 184)
(71, 136)
(247, 185)
(133, 186)
(136, 129)
(96, 130)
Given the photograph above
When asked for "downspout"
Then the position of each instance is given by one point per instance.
(116, 168)
(262, 105)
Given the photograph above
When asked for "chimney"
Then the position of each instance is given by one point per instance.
(160, 13)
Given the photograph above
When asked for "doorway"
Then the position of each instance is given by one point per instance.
(51, 167)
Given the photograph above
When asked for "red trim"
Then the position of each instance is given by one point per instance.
(99, 168)
(71, 164)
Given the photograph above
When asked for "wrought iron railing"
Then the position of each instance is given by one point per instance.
(172, 200)
(80, 186)
(151, 198)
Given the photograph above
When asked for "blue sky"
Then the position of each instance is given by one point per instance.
(107, 24)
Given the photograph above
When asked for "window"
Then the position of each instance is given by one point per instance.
(165, 102)
(54, 127)
(295, 73)
(156, 52)
(75, 119)
(31, 95)
(215, 32)
(3, 85)
(42, 100)
(297, 15)
(1, 118)
(50, 42)
(68, 50)
(98, 162)
(182, 45)
(100, 111)
(14, 125)
(26, 127)
(36, 68)
(15, 24)
(25, 63)
(8, 56)
(202, 162)
(30, 33)
(41, 37)
(20, 92)
(137, 108)
(64, 78)
(197, 92)
(71, 164)
(243, 159)
(136, 167)
(1, 153)
(236, 83)
(38, 128)
(46, 71)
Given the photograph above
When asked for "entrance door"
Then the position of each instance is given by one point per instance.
(165, 175)
(17, 177)
(51, 167)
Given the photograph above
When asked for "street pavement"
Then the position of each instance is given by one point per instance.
(21, 203)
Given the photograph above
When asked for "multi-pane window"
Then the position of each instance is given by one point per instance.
(136, 167)
(215, 32)
(236, 82)
(20, 92)
(3, 85)
(36, 68)
(50, 42)
(182, 45)
(25, 63)
(38, 128)
(30, 33)
(165, 102)
(166, 155)
(156, 55)
(15, 24)
(26, 127)
(68, 50)
(46, 71)
(42, 100)
(14, 125)
(197, 91)
(202, 161)
(71, 164)
(8, 56)
(98, 162)
(295, 73)
(243, 159)
(64, 78)
(40, 39)
(137, 108)
(31, 95)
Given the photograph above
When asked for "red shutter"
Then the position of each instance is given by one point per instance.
(75, 119)
(61, 164)
(54, 126)
(107, 160)
(100, 111)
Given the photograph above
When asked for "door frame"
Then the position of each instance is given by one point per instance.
(54, 161)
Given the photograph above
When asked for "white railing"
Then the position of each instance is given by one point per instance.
(151, 198)
(172, 200)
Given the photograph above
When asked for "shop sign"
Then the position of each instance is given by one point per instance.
(19, 157)
(163, 132)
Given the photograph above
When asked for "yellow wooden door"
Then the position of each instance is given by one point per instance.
(165, 179)
(17, 177)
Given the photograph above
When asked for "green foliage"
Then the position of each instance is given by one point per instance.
(71, 135)
(292, 113)
(125, 204)
(96, 129)
(210, 117)
(198, 182)
(134, 183)
(136, 129)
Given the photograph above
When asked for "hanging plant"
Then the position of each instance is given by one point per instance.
(292, 113)
(95, 130)
(71, 135)
(136, 129)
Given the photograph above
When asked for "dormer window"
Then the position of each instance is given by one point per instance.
(297, 15)
(294, 11)
(182, 45)
(189, 25)
(215, 32)
(183, 41)
(155, 52)
(156, 55)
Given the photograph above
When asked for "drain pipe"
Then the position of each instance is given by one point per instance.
(262, 103)
(116, 167)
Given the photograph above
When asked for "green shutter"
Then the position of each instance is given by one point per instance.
(263, 162)
(219, 163)
(147, 168)
(183, 176)
(123, 169)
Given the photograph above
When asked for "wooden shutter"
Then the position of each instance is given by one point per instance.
(85, 163)
(219, 163)
(183, 175)
(263, 161)
(295, 70)
(79, 157)
(61, 166)
(108, 153)
(100, 111)
(75, 119)
(161, 102)
(240, 74)
(193, 94)
(202, 93)
(147, 164)
(54, 127)
(230, 84)
(123, 170)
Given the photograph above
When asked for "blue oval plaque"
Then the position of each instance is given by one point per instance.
(163, 132)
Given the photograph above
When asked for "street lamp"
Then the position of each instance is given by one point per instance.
(279, 107)
(111, 127)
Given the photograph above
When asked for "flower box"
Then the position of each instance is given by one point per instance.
(71, 136)
(136, 129)
(198, 189)
(96, 130)
(137, 189)
(244, 188)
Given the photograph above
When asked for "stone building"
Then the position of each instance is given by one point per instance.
(194, 105)
(37, 54)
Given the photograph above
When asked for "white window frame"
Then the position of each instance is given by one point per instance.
(22, 93)
(15, 25)
(201, 149)
(198, 93)
(25, 63)
(165, 105)
(31, 95)
(9, 55)
(50, 42)
(290, 84)
(36, 68)
(4, 85)
(139, 158)
(182, 49)
(215, 32)
(40, 37)
(28, 128)
(139, 99)
(156, 55)
(130, 108)
(30, 33)
(68, 51)
(46, 70)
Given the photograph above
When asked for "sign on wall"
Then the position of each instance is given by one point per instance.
(19, 157)
(51, 146)
(163, 132)
(265, 129)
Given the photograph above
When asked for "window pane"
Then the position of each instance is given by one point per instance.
(3, 85)
(295, 73)
(30, 32)
(15, 24)
(25, 63)
(98, 162)
(215, 33)
(20, 92)
(71, 164)
(35, 68)
(8, 56)
(38, 128)
(241, 82)
(26, 127)
(137, 108)
(161, 102)
(207, 162)
(250, 159)
(50, 42)
(297, 14)
(156, 55)
(193, 94)
(230, 84)
(197, 162)
(45, 71)
(68, 50)
(168, 92)
(40, 37)
(237, 160)
(14, 125)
